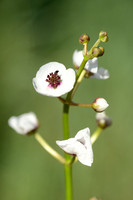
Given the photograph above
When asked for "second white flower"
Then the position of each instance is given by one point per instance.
(80, 146)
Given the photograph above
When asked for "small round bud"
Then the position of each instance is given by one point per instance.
(100, 104)
(84, 39)
(97, 51)
(103, 36)
(103, 121)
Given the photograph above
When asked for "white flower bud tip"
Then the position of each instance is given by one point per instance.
(100, 104)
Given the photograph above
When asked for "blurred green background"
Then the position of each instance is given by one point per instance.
(33, 33)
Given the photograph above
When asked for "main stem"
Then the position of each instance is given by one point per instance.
(68, 167)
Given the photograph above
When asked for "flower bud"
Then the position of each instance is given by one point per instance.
(100, 104)
(97, 51)
(103, 36)
(84, 39)
(24, 124)
(103, 121)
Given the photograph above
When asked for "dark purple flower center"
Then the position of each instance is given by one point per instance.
(54, 79)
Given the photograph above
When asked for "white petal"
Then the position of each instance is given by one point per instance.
(101, 74)
(92, 65)
(100, 116)
(24, 123)
(77, 58)
(86, 156)
(68, 145)
(42, 86)
(13, 123)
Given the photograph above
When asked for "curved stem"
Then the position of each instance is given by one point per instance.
(49, 149)
(74, 104)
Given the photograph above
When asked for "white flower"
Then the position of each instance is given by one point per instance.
(80, 146)
(24, 123)
(91, 65)
(103, 120)
(101, 74)
(53, 79)
(100, 104)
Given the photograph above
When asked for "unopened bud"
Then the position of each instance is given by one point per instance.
(97, 51)
(100, 104)
(84, 39)
(24, 124)
(103, 121)
(103, 36)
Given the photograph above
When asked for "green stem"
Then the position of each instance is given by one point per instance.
(81, 67)
(68, 167)
(95, 135)
(80, 78)
(95, 45)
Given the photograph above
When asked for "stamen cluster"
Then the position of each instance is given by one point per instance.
(54, 79)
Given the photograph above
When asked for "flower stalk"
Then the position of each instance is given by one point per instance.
(49, 149)
(96, 134)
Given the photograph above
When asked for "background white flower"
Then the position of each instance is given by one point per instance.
(24, 123)
(91, 65)
(80, 146)
(53, 79)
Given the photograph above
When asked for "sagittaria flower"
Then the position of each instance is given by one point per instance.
(24, 124)
(79, 146)
(53, 79)
(91, 65)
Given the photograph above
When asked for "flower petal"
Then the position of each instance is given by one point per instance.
(92, 65)
(68, 146)
(86, 155)
(101, 74)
